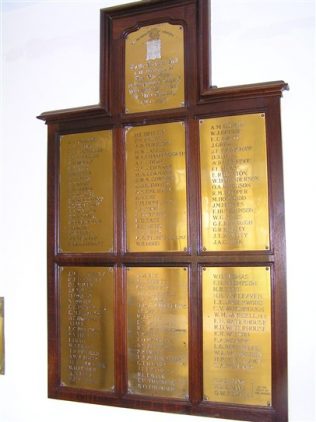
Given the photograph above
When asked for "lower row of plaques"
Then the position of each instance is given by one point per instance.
(236, 314)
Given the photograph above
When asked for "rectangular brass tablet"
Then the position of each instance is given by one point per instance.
(154, 68)
(234, 183)
(237, 335)
(87, 327)
(2, 335)
(86, 192)
(156, 205)
(157, 336)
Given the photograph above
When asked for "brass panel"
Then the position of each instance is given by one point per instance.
(86, 192)
(156, 188)
(87, 327)
(154, 68)
(237, 335)
(235, 209)
(157, 339)
(2, 336)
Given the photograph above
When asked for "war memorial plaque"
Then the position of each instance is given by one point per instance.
(156, 210)
(86, 197)
(166, 240)
(154, 68)
(157, 331)
(87, 327)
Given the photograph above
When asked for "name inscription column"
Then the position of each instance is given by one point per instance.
(86, 192)
(237, 335)
(157, 319)
(156, 207)
(234, 183)
(87, 327)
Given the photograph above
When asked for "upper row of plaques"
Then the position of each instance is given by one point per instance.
(233, 179)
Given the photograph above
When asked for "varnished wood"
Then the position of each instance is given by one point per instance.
(202, 101)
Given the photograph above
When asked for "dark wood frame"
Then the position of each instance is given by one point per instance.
(202, 101)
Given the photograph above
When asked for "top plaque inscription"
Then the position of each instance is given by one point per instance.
(154, 68)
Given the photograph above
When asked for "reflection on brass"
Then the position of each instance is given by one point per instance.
(2, 335)
(87, 327)
(154, 68)
(235, 212)
(157, 339)
(86, 192)
(237, 335)
(156, 188)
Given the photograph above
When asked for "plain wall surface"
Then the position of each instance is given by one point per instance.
(50, 60)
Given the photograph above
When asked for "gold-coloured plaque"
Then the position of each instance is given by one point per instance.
(1, 335)
(154, 68)
(156, 205)
(234, 183)
(237, 335)
(157, 339)
(86, 192)
(87, 327)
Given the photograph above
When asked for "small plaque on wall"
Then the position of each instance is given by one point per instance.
(2, 335)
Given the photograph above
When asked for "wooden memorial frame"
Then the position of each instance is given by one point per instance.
(166, 251)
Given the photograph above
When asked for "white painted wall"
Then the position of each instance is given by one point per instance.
(50, 54)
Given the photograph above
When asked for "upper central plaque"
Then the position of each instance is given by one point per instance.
(154, 68)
